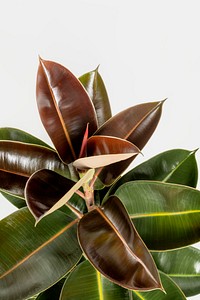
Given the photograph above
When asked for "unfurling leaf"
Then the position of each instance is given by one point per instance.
(113, 246)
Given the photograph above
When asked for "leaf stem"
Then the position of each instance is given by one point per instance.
(74, 210)
(92, 182)
(80, 194)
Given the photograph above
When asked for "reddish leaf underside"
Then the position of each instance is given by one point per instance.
(105, 150)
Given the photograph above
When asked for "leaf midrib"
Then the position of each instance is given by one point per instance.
(162, 214)
(39, 248)
(66, 133)
(143, 118)
(178, 166)
(124, 241)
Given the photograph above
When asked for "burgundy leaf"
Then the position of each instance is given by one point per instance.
(113, 246)
(65, 108)
(135, 124)
(44, 188)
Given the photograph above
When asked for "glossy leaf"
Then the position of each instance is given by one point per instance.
(135, 124)
(105, 150)
(102, 288)
(19, 160)
(175, 166)
(44, 188)
(47, 191)
(32, 259)
(91, 285)
(111, 243)
(14, 134)
(167, 216)
(96, 89)
(172, 291)
(13, 184)
(65, 108)
(183, 266)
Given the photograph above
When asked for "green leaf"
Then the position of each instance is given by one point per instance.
(172, 291)
(18, 202)
(175, 166)
(183, 266)
(32, 259)
(14, 134)
(19, 160)
(111, 243)
(135, 124)
(95, 87)
(65, 108)
(91, 286)
(167, 216)
(103, 289)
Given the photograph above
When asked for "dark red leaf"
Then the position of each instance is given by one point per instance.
(65, 108)
(112, 244)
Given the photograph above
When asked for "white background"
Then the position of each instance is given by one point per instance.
(147, 51)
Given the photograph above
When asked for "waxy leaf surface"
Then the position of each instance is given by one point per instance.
(14, 134)
(135, 124)
(44, 188)
(103, 289)
(105, 150)
(174, 166)
(65, 108)
(29, 254)
(113, 246)
(96, 89)
(19, 160)
(183, 266)
(167, 216)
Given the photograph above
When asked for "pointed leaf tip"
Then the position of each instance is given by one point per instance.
(117, 250)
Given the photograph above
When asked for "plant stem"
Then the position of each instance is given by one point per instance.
(89, 196)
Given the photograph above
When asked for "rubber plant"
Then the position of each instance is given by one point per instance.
(85, 228)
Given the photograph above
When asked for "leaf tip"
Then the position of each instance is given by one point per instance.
(97, 68)
(195, 150)
(163, 101)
